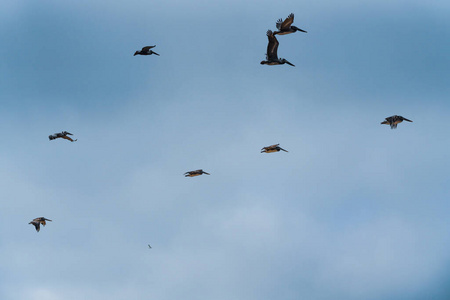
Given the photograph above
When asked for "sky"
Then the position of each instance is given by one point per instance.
(354, 210)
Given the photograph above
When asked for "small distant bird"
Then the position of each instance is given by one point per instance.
(272, 148)
(272, 48)
(393, 121)
(146, 51)
(285, 27)
(38, 221)
(195, 173)
(150, 247)
(62, 135)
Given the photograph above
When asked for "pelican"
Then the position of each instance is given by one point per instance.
(38, 221)
(272, 148)
(394, 121)
(195, 173)
(146, 51)
(62, 135)
(285, 27)
(271, 56)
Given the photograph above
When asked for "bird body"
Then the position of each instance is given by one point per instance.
(285, 27)
(146, 51)
(195, 173)
(272, 148)
(272, 49)
(393, 121)
(62, 135)
(38, 221)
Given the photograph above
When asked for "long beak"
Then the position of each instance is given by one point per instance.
(155, 53)
(284, 150)
(407, 120)
(290, 64)
(206, 173)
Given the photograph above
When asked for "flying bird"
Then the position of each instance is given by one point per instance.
(38, 221)
(146, 51)
(393, 121)
(272, 56)
(150, 247)
(62, 135)
(195, 173)
(272, 148)
(285, 27)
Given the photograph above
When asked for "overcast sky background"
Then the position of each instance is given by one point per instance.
(355, 210)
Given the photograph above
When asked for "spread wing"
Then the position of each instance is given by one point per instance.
(68, 138)
(146, 48)
(287, 23)
(272, 47)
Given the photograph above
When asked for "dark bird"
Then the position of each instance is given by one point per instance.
(195, 173)
(62, 135)
(393, 121)
(272, 56)
(272, 148)
(146, 51)
(150, 247)
(38, 221)
(285, 27)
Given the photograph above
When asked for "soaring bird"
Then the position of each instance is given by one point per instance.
(146, 51)
(285, 27)
(272, 148)
(150, 247)
(38, 221)
(393, 121)
(195, 173)
(62, 135)
(272, 56)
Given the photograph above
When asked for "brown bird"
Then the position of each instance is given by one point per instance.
(393, 121)
(272, 52)
(285, 27)
(38, 221)
(272, 148)
(146, 51)
(62, 135)
(195, 173)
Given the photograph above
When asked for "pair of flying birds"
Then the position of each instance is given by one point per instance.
(268, 149)
(284, 27)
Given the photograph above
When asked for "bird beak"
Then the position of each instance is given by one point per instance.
(290, 64)
(407, 120)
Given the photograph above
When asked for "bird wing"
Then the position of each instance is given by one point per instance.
(37, 225)
(279, 22)
(146, 48)
(287, 22)
(272, 47)
(68, 138)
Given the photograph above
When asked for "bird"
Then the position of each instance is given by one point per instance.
(38, 221)
(146, 51)
(272, 148)
(272, 56)
(285, 27)
(393, 121)
(62, 135)
(195, 173)
(150, 247)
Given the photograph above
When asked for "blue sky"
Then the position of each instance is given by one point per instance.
(355, 210)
